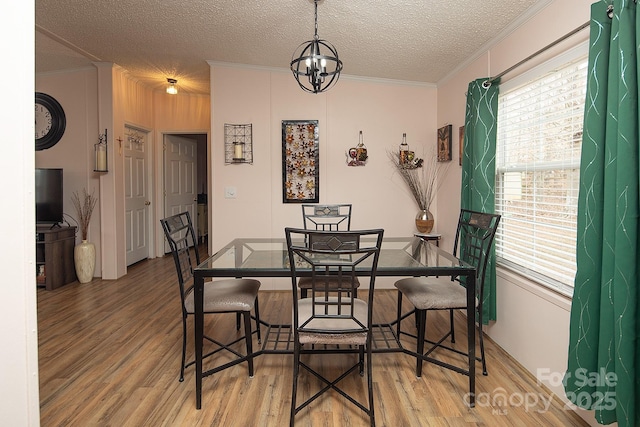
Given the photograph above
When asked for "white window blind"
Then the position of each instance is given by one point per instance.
(538, 168)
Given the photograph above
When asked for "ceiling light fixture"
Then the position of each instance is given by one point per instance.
(314, 69)
(172, 89)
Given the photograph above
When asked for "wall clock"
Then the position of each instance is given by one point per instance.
(50, 121)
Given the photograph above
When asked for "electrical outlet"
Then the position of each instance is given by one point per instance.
(229, 192)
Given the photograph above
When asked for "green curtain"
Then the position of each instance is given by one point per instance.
(479, 169)
(604, 346)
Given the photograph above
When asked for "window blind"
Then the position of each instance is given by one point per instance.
(537, 172)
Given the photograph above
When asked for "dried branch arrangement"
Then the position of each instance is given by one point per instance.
(84, 206)
(421, 181)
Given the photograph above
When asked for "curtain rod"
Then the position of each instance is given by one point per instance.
(488, 82)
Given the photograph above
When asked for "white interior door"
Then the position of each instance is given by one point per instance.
(180, 164)
(136, 195)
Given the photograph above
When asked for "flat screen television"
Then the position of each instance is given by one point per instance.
(49, 196)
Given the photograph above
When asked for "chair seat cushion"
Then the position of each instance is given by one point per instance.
(339, 331)
(433, 293)
(226, 295)
(305, 282)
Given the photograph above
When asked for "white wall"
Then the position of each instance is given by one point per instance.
(19, 397)
(532, 323)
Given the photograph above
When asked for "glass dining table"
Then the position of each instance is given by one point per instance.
(268, 257)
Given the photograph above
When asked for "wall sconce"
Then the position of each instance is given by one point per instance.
(172, 89)
(238, 143)
(101, 154)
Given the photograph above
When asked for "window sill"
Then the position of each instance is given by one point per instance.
(530, 285)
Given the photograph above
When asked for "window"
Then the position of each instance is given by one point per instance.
(540, 118)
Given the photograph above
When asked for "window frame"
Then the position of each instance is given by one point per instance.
(577, 53)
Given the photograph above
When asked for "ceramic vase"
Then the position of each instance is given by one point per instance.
(424, 221)
(84, 255)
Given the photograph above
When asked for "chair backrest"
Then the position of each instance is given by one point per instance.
(327, 217)
(474, 241)
(178, 230)
(325, 256)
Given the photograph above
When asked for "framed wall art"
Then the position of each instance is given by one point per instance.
(444, 143)
(300, 155)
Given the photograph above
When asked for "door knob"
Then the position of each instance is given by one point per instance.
(147, 203)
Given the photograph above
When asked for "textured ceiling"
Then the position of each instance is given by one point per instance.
(413, 40)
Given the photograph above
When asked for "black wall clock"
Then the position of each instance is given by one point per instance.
(50, 121)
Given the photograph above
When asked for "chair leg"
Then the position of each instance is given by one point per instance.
(248, 339)
(303, 293)
(237, 321)
(184, 347)
(484, 362)
(481, 339)
(399, 314)
(370, 385)
(296, 371)
(453, 336)
(421, 318)
(257, 308)
(361, 359)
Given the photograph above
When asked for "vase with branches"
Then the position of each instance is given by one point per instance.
(85, 252)
(421, 178)
(84, 205)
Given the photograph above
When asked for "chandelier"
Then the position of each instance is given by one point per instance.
(315, 64)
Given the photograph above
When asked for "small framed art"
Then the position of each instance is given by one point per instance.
(444, 143)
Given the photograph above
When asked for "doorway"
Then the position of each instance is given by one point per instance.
(136, 195)
(185, 179)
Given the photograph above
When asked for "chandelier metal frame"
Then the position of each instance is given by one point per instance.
(315, 63)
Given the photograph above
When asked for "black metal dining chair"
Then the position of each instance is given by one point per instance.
(326, 217)
(473, 242)
(333, 217)
(238, 296)
(332, 320)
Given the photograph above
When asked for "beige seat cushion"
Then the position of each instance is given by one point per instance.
(433, 293)
(338, 325)
(226, 295)
(305, 282)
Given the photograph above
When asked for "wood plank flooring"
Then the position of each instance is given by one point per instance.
(109, 355)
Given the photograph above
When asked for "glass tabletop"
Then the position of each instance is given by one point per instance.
(268, 257)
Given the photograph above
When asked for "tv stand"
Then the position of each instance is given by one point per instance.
(54, 255)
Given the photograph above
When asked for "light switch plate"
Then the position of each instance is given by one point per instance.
(229, 192)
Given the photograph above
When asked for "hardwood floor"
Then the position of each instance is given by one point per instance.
(109, 355)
